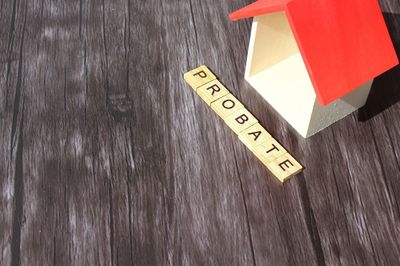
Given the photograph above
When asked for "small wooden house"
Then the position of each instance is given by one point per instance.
(314, 60)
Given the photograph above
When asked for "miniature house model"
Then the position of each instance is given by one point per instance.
(314, 61)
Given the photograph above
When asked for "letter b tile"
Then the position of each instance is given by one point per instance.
(240, 120)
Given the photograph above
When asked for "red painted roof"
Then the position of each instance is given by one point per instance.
(344, 43)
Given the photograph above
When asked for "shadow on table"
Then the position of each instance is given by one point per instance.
(385, 90)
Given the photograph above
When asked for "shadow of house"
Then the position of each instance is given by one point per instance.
(385, 91)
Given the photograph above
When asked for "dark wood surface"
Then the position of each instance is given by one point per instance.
(108, 157)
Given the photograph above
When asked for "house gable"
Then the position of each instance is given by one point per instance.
(272, 42)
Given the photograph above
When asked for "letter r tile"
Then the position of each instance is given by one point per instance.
(212, 91)
(199, 76)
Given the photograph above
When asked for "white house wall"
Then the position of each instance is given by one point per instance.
(324, 116)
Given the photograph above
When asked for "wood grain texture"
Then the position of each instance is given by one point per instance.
(108, 157)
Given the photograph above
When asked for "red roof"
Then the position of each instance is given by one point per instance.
(344, 43)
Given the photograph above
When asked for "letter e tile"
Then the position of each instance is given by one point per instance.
(284, 167)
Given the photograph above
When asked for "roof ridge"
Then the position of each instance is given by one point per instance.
(259, 7)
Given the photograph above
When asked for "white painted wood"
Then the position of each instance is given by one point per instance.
(275, 68)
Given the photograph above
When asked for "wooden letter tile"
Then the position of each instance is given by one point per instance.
(199, 76)
(254, 136)
(284, 167)
(226, 105)
(269, 151)
(240, 120)
(212, 91)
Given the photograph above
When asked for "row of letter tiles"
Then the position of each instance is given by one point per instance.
(243, 123)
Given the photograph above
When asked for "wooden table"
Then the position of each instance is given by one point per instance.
(108, 157)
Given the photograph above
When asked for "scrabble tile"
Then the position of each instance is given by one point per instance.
(269, 151)
(226, 105)
(254, 136)
(199, 76)
(240, 120)
(284, 167)
(212, 91)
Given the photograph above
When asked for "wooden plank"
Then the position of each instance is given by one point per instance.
(12, 136)
(194, 229)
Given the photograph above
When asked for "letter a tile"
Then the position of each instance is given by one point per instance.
(199, 76)
(212, 91)
(240, 120)
(226, 105)
(254, 136)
